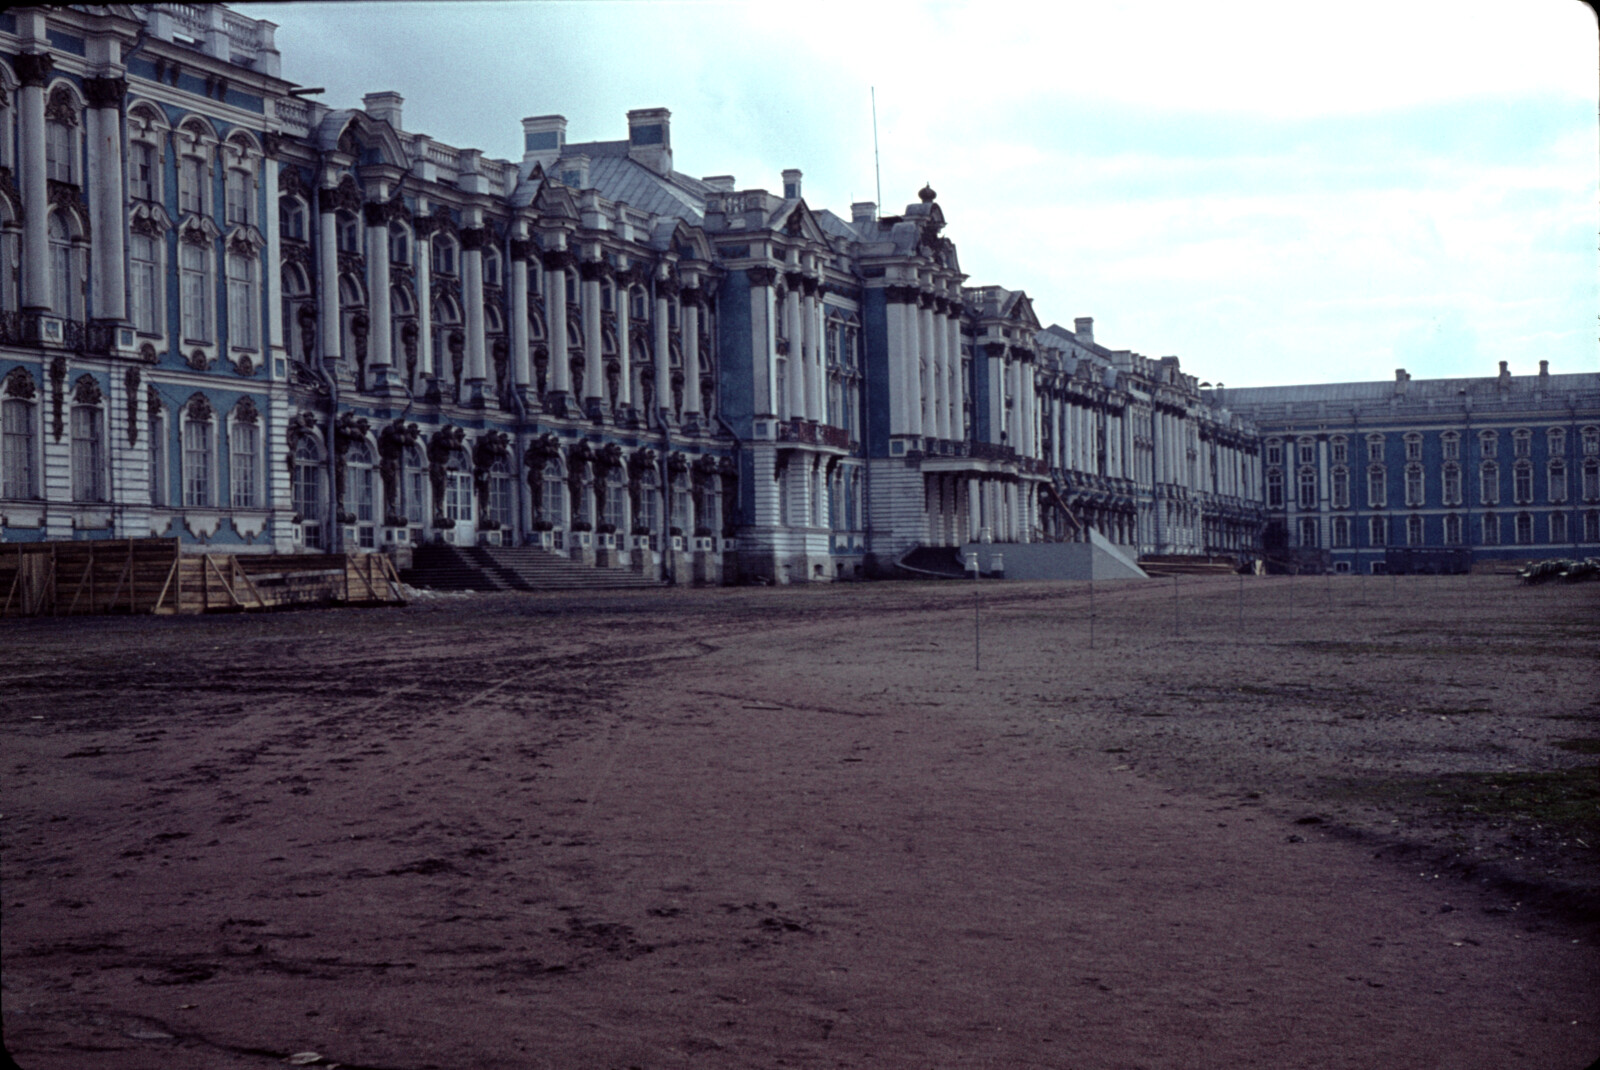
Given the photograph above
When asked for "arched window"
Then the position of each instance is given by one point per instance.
(554, 495)
(1556, 441)
(10, 256)
(1524, 529)
(306, 490)
(1522, 446)
(491, 267)
(1341, 532)
(648, 521)
(297, 305)
(1339, 450)
(61, 137)
(1273, 451)
(1377, 486)
(1490, 526)
(1522, 481)
(1488, 444)
(458, 488)
(502, 496)
(1558, 527)
(63, 276)
(192, 182)
(1413, 440)
(616, 500)
(360, 495)
(1450, 445)
(1451, 484)
(144, 171)
(1413, 530)
(1452, 530)
(1375, 449)
(415, 485)
(88, 444)
(1378, 531)
(156, 441)
(19, 438)
(1307, 451)
(1414, 482)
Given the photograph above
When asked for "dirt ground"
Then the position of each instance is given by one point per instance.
(1346, 822)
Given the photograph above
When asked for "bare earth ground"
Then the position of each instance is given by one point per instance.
(1311, 823)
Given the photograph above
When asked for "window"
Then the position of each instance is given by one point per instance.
(292, 218)
(1413, 446)
(1307, 451)
(145, 282)
(360, 499)
(347, 230)
(1377, 487)
(1522, 442)
(63, 289)
(245, 447)
(416, 486)
(616, 499)
(194, 274)
(197, 468)
(1450, 445)
(1308, 488)
(682, 505)
(1375, 449)
(1413, 530)
(1414, 484)
(88, 455)
(649, 517)
(1591, 441)
(1591, 481)
(458, 489)
(191, 185)
(491, 273)
(1341, 532)
(306, 493)
(299, 338)
(1340, 478)
(1308, 531)
(1591, 526)
(502, 499)
(1488, 444)
(143, 171)
(242, 328)
(1556, 441)
(444, 255)
(1274, 451)
(20, 444)
(61, 138)
(399, 244)
(156, 436)
(1339, 450)
(1489, 483)
(1378, 531)
(1491, 530)
(1452, 530)
(1522, 482)
(1524, 529)
(1451, 484)
(239, 194)
(1558, 527)
(553, 501)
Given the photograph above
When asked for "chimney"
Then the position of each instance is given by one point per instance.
(863, 212)
(384, 107)
(543, 139)
(650, 138)
(791, 184)
(1544, 369)
(1083, 330)
(719, 183)
(1505, 371)
(1401, 378)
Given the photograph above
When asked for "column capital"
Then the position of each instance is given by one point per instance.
(473, 238)
(35, 68)
(762, 275)
(558, 259)
(105, 92)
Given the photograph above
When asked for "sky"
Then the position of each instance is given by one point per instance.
(1273, 192)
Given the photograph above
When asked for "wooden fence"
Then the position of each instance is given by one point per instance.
(156, 576)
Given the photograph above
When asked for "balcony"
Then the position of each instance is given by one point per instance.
(802, 432)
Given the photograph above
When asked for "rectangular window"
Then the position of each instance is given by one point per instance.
(1452, 446)
(144, 282)
(1488, 444)
(191, 185)
(242, 466)
(458, 495)
(1375, 449)
(241, 303)
(1308, 490)
(1522, 444)
(88, 458)
(1491, 530)
(192, 265)
(1558, 527)
(1341, 488)
(1377, 490)
(1414, 485)
(1308, 453)
(1341, 532)
(1524, 529)
(196, 463)
(1558, 481)
(142, 172)
(1308, 531)
(1413, 531)
(1489, 485)
(1452, 530)
(415, 495)
(1591, 527)
(58, 152)
(1591, 481)
(1378, 531)
(238, 197)
(18, 443)
(1339, 451)
(555, 494)
(1452, 485)
(1413, 447)
(1522, 481)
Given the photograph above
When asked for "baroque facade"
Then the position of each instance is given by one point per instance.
(1494, 467)
(258, 323)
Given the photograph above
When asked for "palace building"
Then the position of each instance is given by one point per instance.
(242, 318)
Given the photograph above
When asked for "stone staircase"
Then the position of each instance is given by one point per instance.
(927, 562)
(521, 568)
(1187, 565)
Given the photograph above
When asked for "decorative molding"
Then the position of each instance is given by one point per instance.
(130, 379)
(105, 92)
(34, 68)
(198, 407)
(61, 108)
(473, 238)
(558, 259)
(19, 384)
(86, 391)
(58, 379)
(594, 270)
(345, 196)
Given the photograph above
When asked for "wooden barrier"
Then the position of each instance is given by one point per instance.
(156, 576)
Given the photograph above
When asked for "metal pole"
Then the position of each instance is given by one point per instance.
(1174, 606)
(1091, 610)
(1241, 604)
(977, 635)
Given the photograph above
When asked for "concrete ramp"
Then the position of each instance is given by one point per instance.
(1098, 559)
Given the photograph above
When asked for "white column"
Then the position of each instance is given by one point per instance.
(958, 382)
(328, 272)
(1014, 422)
(424, 262)
(945, 380)
(816, 404)
(104, 168)
(819, 350)
(594, 369)
(34, 70)
(624, 307)
(521, 366)
(274, 280)
(930, 368)
(895, 339)
(476, 370)
(913, 367)
(379, 346)
(663, 351)
(559, 373)
(691, 352)
(795, 379)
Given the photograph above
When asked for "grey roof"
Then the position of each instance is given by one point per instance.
(834, 226)
(1451, 390)
(621, 179)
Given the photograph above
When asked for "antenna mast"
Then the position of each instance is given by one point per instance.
(877, 172)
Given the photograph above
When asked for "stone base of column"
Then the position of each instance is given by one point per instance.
(693, 423)
(528, 396)
(594, 409)
(383, 380)
(560, 404)
(475, 393)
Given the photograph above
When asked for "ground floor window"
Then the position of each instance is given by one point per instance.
(1308, 531)
(1378, 531)
(1591, 527)
(1524, 529)
(1558, 527)
(1413, 531)
(458, 495)
(1452, 530)
(1491, 530)
(1341, 533)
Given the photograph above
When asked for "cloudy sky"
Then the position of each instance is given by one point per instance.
(1274, 192)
